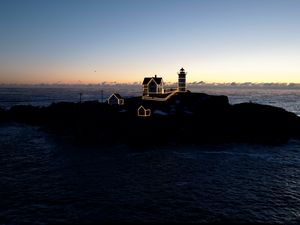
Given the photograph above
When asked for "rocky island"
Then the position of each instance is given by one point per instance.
(185, 118)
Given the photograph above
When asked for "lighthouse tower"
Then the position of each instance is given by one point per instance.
(182, 80)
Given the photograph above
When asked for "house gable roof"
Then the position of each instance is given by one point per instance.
(157, 80)
(118, 96)
(141, 107)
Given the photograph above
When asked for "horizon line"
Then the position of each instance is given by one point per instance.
(232, 83)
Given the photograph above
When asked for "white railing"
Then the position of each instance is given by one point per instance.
(158, 98)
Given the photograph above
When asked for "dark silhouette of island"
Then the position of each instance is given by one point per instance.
(185, 118)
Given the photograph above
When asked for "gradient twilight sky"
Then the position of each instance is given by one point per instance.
(94, 41)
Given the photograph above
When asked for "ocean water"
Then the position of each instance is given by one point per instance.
(287, 98)
(44, 180)
(45, 95)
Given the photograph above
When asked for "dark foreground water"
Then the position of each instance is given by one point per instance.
(45, 181)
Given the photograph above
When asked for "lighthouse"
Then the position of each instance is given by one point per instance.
(182, 80)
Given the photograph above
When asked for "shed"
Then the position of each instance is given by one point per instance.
(141, 111)
(115, 99)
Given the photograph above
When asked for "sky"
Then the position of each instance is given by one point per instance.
(89, 41)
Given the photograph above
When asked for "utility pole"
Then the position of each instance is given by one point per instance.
(102, 99)
(80, 94)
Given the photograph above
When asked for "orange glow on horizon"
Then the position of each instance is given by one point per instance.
(207, 72)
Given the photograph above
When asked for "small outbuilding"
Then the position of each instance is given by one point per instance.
(141, 111)
(115, 99)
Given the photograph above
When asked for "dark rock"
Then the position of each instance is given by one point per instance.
(3, 115)
(186, 118)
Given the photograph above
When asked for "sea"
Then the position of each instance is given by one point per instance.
(45, 180)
